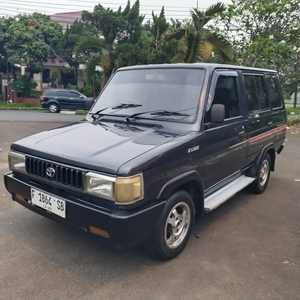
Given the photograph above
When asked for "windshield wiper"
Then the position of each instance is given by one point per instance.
(158, 113)
(120, 106)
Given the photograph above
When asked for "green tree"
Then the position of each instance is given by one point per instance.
(72, 36)
(265, 33)
(197, 38)
(117, 28)
(23, 86)
(32, 39)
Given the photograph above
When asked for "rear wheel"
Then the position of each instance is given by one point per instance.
(263, 175)
(53, 108)
(174, 227)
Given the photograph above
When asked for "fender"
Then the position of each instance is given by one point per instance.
(253, 170)
(53, 101)
(178, 181)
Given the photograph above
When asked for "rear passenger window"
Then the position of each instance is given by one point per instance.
(256, 95)
(274, 91)
(63, 94)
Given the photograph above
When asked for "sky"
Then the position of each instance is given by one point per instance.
(174, 8)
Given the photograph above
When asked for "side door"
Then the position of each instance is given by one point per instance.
(75, 100)
(278, 118)
(63, 97)
(226, 142)
(259, 124)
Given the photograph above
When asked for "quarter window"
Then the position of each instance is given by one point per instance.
(273, 88)
(256, 96)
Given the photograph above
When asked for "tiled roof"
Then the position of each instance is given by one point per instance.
(66, 19)
(55, 62)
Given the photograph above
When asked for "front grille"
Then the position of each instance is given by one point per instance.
(63, 174)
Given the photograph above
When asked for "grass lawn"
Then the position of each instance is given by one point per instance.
(293, 120)
(291, 109)
(287, 101)
(19, 105)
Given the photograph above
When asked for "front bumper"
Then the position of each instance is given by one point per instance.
(126, 229)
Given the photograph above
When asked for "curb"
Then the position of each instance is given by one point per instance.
(21, 108)
(66, 112)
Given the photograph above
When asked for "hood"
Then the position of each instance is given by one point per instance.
(93, 146)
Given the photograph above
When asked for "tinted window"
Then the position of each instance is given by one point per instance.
(274, 90)
(256, 96)
(226, 93)
(154, 89)
(49, 92)
(63, 94)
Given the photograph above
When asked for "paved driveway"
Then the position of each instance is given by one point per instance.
(249, 248)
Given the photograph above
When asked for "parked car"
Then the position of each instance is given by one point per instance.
(56, 99)
(162, 143)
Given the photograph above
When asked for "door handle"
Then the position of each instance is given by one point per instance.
(270, 123)
(243, 131)
(256, 121)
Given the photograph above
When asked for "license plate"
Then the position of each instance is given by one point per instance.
(48, 202)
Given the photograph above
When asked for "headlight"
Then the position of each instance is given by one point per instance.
(129, 189)
(122, 190)
(99, 185)
(16, 162)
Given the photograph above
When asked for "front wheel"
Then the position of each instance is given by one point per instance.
(174, 227)
(263, 175)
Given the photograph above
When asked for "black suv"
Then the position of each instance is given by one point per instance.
(162, 143)
(56, 99)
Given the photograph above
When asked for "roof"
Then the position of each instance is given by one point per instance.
(66, 19)
(56, 62)
(195, 66)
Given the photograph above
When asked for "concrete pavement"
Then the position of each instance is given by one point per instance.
(249, 248)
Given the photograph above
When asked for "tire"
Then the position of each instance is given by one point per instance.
(165, 244)
(262, 176)
(53, 108)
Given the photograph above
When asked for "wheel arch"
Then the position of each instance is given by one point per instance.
(191, 182)
(270, 149)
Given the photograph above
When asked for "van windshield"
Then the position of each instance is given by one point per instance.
(147, 90)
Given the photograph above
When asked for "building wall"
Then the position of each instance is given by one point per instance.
(38, 78)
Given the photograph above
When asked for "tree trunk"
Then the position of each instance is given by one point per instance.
(76, 75)
(103, 79)
(295, 97)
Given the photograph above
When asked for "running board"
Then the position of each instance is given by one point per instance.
(222, 195)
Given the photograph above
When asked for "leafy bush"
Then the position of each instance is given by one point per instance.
(35, 94)
(1, 97)
(23, 86)
(87, 91)
(72, 87)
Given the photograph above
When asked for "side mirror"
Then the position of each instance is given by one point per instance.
(218, 113)
(89, 104)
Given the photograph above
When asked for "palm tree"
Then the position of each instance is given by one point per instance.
(197, 40)
(98, 55)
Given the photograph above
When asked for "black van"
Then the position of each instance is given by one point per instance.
(161, 143)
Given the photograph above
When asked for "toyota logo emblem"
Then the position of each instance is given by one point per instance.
(50, 172)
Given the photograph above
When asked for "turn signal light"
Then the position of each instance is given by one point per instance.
(99, 231)
(19, 197)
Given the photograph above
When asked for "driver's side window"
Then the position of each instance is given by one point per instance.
(226, 93)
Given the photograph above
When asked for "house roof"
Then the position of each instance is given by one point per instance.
(66, 19)
(56, 62)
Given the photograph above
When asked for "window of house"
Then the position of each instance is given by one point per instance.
(226, 93)
(46, 76)
(256, 96)
(273, 88)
